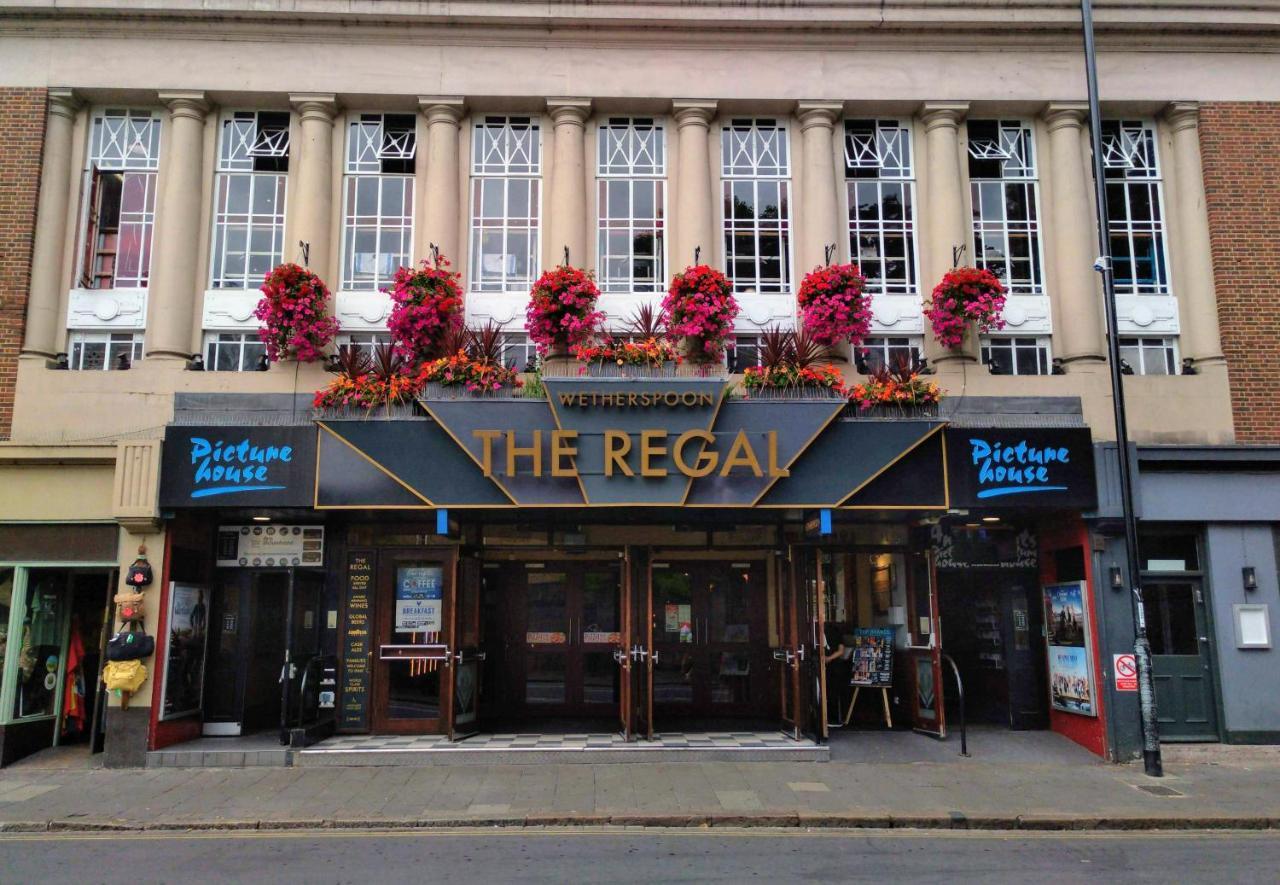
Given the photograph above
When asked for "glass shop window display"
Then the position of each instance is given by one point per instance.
(40, 647)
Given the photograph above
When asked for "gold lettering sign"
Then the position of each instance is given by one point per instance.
(693, 453)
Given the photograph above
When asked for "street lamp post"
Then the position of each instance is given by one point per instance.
(1141, 647)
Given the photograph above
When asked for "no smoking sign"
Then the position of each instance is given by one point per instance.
(1126, 670)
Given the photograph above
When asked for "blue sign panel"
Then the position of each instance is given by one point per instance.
(1029, 467)
(237, 466)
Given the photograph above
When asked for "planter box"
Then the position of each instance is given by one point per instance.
(893, 412)
(457, 391)
(793, 393)
(399, 412)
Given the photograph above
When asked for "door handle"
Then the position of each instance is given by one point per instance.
(784, 655)
(638, 653)
(800, 653)
(654, 657)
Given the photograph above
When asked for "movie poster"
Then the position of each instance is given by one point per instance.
(1071, 683)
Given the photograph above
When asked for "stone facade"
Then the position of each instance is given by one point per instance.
(22, 113)
(1242, 190)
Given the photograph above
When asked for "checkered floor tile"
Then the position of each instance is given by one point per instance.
(709, 740)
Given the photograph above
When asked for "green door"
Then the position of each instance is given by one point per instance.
(1178, 629)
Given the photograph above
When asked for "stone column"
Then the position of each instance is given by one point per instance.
(1195, 285)
(440, 219)
(567, 208)
(694, 216)
(1078, 309)
(947, 226)
(44, 296)
(313, 207)
(175, 287)
(818, 203)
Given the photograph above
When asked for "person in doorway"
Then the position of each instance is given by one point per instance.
(835, 657)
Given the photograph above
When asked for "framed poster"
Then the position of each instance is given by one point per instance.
(182, 687)
(419, 599)
(1070, 638)
(873, 657)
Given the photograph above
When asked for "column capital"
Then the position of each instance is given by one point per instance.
(1061, 114)
(314, 105)
(818, 113)
(442, 108)
(693, 112)
(190, 104)
(63, 103)
(1183, 115)
(569, 110)
(943, 113)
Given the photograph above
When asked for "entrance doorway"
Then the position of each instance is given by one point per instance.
(992, 627)
(559, 625)
(711, 657)
(256, 616)
(1178, 630)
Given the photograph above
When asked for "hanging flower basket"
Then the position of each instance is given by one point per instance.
(562, 310)
(834, 305)
(965, 295)
(294, 317)
(426, 304)
(700, 309)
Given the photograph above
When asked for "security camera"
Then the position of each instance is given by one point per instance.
(1100, 265)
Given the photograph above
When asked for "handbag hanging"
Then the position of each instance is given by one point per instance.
(132, 645)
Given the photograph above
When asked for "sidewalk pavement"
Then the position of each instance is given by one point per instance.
(1041, 782)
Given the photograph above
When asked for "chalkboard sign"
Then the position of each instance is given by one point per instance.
(873, 657)
(356, 647)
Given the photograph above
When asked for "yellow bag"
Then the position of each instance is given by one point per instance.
(124, 675)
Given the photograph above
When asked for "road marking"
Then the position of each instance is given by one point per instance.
(808, 787)
(603, 831)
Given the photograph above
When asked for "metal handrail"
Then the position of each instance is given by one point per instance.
(964, 744)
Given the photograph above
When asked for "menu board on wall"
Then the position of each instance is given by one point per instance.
(1066, 618)
(257, 546)
(873, 657)
(353, 714)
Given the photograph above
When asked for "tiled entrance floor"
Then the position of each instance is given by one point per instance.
(534, 748)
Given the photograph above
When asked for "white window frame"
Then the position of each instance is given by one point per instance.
(518, 351)
(365, 341)
(1143, 347)
(618, 165)
(504, 162)
(1024, 173)
(113, 342)
(882, 346)
(240, 142)
(754, 171)
(363, 159)
(862, 155)
(115, 145)
(245, 362)
(1017, 343)
(1125, 155)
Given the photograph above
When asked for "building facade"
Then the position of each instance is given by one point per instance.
(158, 160)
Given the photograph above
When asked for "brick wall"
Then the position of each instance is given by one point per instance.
(22, 114)
(1242, 186)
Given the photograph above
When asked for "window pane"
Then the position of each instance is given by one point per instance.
(40, 634)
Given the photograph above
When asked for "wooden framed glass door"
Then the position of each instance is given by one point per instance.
(566, 626)
(709, 626)
(1181, 667)
(924, 626)
(413, 685)
(635, 658)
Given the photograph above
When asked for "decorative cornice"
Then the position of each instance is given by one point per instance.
(314, 105)
(63, 103)
(693, 111)
(442, 109)
(935, 114)
(1183, 115)
(184, 104)
(818, 113)
(1065, 114)
(573, 111)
